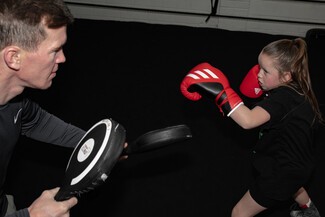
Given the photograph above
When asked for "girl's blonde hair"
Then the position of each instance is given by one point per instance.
(291, 56)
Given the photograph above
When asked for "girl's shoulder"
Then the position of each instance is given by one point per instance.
(286, 92)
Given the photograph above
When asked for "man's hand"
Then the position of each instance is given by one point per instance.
(47, 206)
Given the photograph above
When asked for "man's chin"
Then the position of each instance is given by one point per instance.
(44, 86)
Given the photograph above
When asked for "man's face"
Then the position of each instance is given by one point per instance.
(39, 67)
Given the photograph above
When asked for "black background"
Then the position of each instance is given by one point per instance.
(131, 72)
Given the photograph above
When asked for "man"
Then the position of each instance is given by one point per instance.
(32, 34)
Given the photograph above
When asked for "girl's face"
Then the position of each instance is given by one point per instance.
(269, 76)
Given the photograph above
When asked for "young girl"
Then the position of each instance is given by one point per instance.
(283, 156)
(288, 116)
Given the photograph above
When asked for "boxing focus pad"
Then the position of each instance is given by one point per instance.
(92, 159)
(250, 86)
(208, 81)
(100, 148)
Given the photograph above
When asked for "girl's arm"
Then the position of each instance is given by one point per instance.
(250, 118)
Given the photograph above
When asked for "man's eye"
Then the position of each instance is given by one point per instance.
(57, 50)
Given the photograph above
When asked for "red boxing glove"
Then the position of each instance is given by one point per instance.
(208, 81)
(250, 86)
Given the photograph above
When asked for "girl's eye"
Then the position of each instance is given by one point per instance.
(264, 71)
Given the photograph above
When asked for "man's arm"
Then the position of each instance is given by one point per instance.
(40, 125)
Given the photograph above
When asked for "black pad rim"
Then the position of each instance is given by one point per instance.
(159, 138)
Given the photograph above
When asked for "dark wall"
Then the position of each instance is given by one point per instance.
(131, 72)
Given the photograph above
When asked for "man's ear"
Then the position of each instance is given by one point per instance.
(12, 57)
